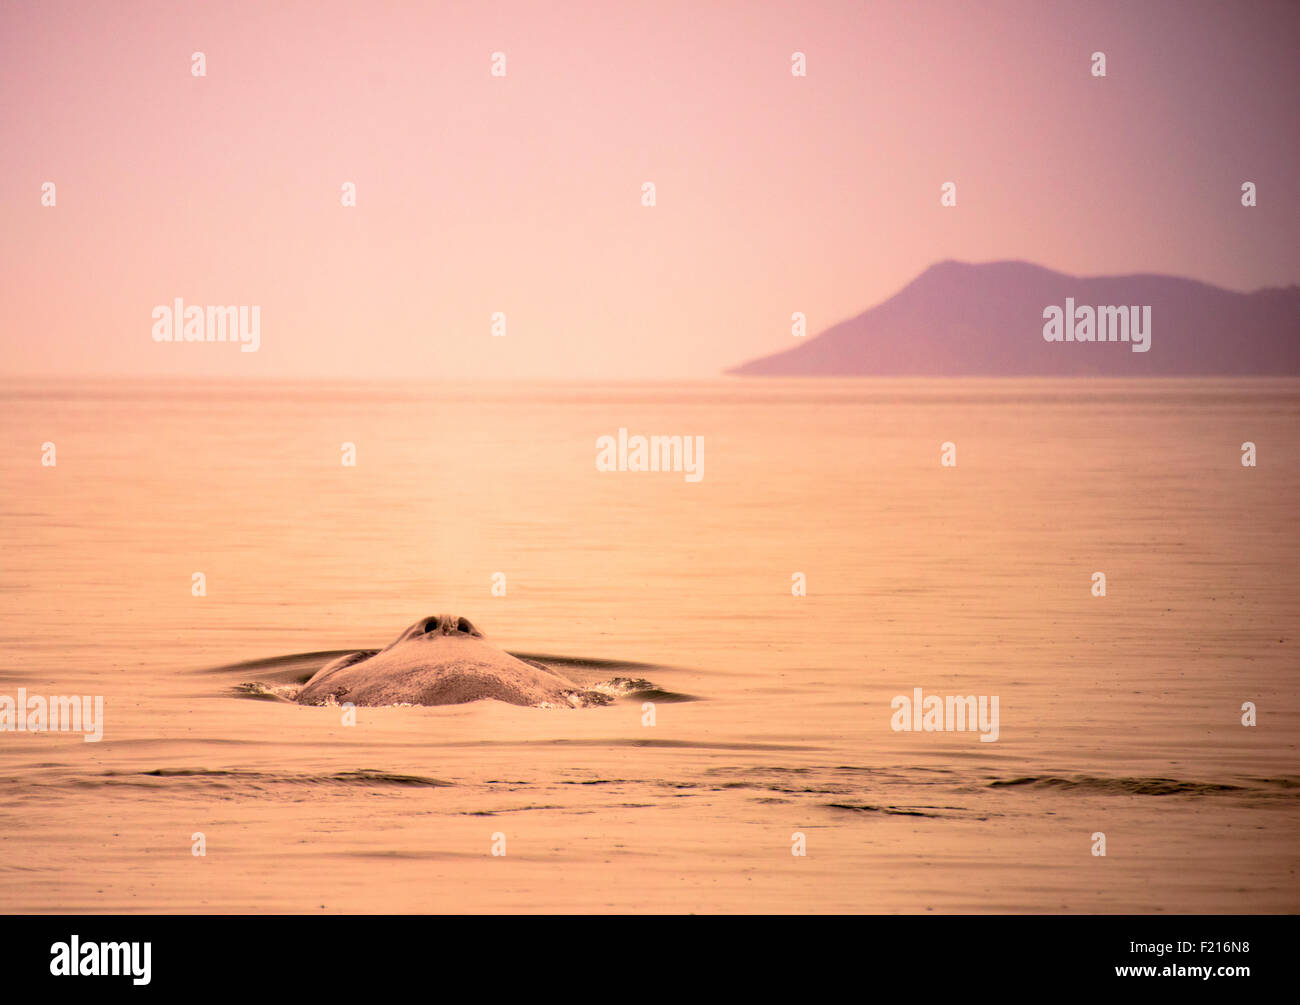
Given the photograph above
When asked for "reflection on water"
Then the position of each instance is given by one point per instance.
(1119, 713)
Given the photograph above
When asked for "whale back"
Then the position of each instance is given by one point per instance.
(439, 660)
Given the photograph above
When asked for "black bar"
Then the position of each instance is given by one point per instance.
(482, 954)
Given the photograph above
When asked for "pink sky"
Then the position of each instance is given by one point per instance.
(478, 194)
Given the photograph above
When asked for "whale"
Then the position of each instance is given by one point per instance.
(442, 660)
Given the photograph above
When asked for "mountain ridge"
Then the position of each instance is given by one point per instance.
(987, 319)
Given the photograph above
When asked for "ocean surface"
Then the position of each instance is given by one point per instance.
(1118, 715)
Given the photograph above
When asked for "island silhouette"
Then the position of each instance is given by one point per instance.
(959, 319)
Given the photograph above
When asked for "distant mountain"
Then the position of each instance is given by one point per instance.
(958, 319)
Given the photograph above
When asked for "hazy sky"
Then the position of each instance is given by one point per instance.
(522, 194)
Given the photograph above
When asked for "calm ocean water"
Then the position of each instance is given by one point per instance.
(1118, 714)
